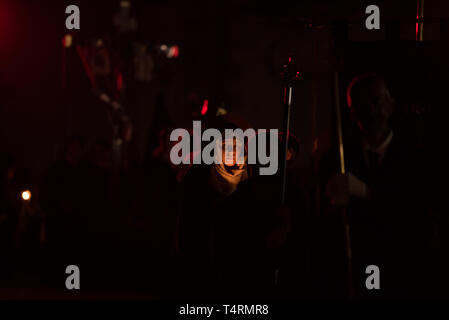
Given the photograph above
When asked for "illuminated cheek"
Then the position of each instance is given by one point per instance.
(289, 155)
(229, 157)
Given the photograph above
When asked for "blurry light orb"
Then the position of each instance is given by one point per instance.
(173, 52)
(125, 4)
(67, 40)
(221, 111)
(26, 195)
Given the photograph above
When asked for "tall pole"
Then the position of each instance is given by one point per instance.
(289, 75)
(340, 38)
(419, 22)
(287, 101)
(64, 99)
(341, 153)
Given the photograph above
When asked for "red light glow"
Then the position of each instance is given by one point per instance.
(119, 82)
(173, 52)
(417, 26)
(205, 107)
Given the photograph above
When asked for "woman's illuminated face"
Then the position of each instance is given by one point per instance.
(232, 151)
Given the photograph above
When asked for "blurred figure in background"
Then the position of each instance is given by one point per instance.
(9, 201)
(63, 194)
(152, 220)
(22, 228)
(63, 199)
(9, 212)
(386, 194)
(102, 218)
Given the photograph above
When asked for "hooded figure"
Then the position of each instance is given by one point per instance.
(220, 232)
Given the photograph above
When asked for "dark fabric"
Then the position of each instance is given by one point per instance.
(221, 239)
(393, 229)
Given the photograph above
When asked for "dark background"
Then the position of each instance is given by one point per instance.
(230, 51)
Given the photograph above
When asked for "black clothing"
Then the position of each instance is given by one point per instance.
(392, 229)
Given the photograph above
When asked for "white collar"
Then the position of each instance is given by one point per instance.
(382, 147)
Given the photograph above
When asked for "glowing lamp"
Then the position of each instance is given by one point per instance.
(125, 4)
(26, 195)
(67, 40)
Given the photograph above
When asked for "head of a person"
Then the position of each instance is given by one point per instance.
(8, 167)
(101, 156)
(371, 105)
(232, 150)
(75, 151)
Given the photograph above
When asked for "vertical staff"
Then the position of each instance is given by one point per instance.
(286, 129)
(289, 76)
(419, 22)
(341, 154)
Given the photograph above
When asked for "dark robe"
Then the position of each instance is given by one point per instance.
(392, 229)
(221, 240)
